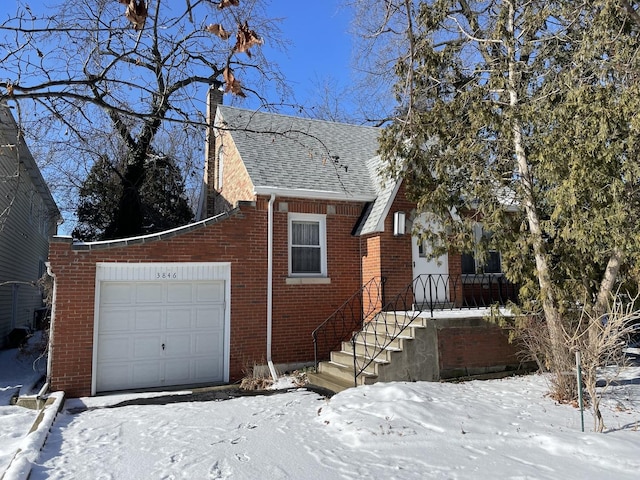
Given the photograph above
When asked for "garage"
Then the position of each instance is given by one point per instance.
(160, 325)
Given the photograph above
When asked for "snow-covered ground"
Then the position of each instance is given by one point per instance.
(19, 372)
(498, 429)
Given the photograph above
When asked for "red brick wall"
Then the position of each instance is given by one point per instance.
(396, 260)
(209, 177)
(370, 252)
(371, 269)
(236, 185)
(299, 309)
(240, 239)
(475, 347)
(455, 279)
(232, 240)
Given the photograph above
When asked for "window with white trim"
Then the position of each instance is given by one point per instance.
(307, 245)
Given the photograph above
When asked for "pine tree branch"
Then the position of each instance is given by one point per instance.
(635, 16)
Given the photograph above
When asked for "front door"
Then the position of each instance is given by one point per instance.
(431, 275)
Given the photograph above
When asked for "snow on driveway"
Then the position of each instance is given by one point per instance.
(250, 437)
(482, 429)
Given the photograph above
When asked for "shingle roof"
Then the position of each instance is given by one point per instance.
(299, 154)
(312, 158)
(377, 210)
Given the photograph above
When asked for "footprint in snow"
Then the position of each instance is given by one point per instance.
(247, 426)
(220, 470)
(170, 461)
(241, 457)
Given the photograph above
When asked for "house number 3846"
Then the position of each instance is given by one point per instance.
(166, 275)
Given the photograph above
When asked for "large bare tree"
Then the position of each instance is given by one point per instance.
(135, 69)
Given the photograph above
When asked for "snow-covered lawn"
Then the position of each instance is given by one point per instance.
(19, 371)
(494, 429)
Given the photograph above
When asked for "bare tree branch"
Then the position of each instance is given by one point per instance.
(83, 63)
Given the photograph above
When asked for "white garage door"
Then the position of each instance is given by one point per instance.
(160, 333)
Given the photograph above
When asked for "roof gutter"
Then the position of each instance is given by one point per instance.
(315, 194)
(272, 369)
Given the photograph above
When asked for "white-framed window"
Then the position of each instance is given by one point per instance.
(422, 249)
(307, 245)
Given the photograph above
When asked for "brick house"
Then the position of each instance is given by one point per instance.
(293, 221)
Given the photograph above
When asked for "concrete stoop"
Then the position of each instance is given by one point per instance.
(397, 356)
(413, 354)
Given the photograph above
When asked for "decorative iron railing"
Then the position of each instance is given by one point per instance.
(426, 293)
(452, 292)
(361, 307)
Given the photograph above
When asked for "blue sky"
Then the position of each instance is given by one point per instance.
(320, 46)
(318, 32)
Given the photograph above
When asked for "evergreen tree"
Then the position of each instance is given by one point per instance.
(98, 200)
(523, 115)
(163, 204)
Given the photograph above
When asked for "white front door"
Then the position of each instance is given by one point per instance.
(431, 275)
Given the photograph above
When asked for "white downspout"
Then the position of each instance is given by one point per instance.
(51, 330)
(272, 369)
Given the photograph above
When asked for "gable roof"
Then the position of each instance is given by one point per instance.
(373, 218)
(303, 157)
(308, 158)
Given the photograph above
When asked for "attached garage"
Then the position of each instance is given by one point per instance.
(160, 324)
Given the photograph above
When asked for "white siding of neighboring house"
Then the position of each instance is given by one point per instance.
(28, 217)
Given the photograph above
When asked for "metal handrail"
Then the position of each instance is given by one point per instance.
(348, 318)
(426, 293)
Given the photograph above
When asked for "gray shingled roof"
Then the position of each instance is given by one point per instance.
(298, 154)
(312, 158)
(377, 210)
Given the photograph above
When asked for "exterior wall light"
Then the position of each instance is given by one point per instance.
(398, 224)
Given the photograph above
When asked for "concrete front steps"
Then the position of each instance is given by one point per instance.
(383, 336)
(460, 344)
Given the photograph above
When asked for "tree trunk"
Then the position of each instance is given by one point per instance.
(608, 282)
(601, 306)
(559, 354)
(128, 219)
(595, 330)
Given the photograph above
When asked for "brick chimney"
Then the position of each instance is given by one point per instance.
(214, 98)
